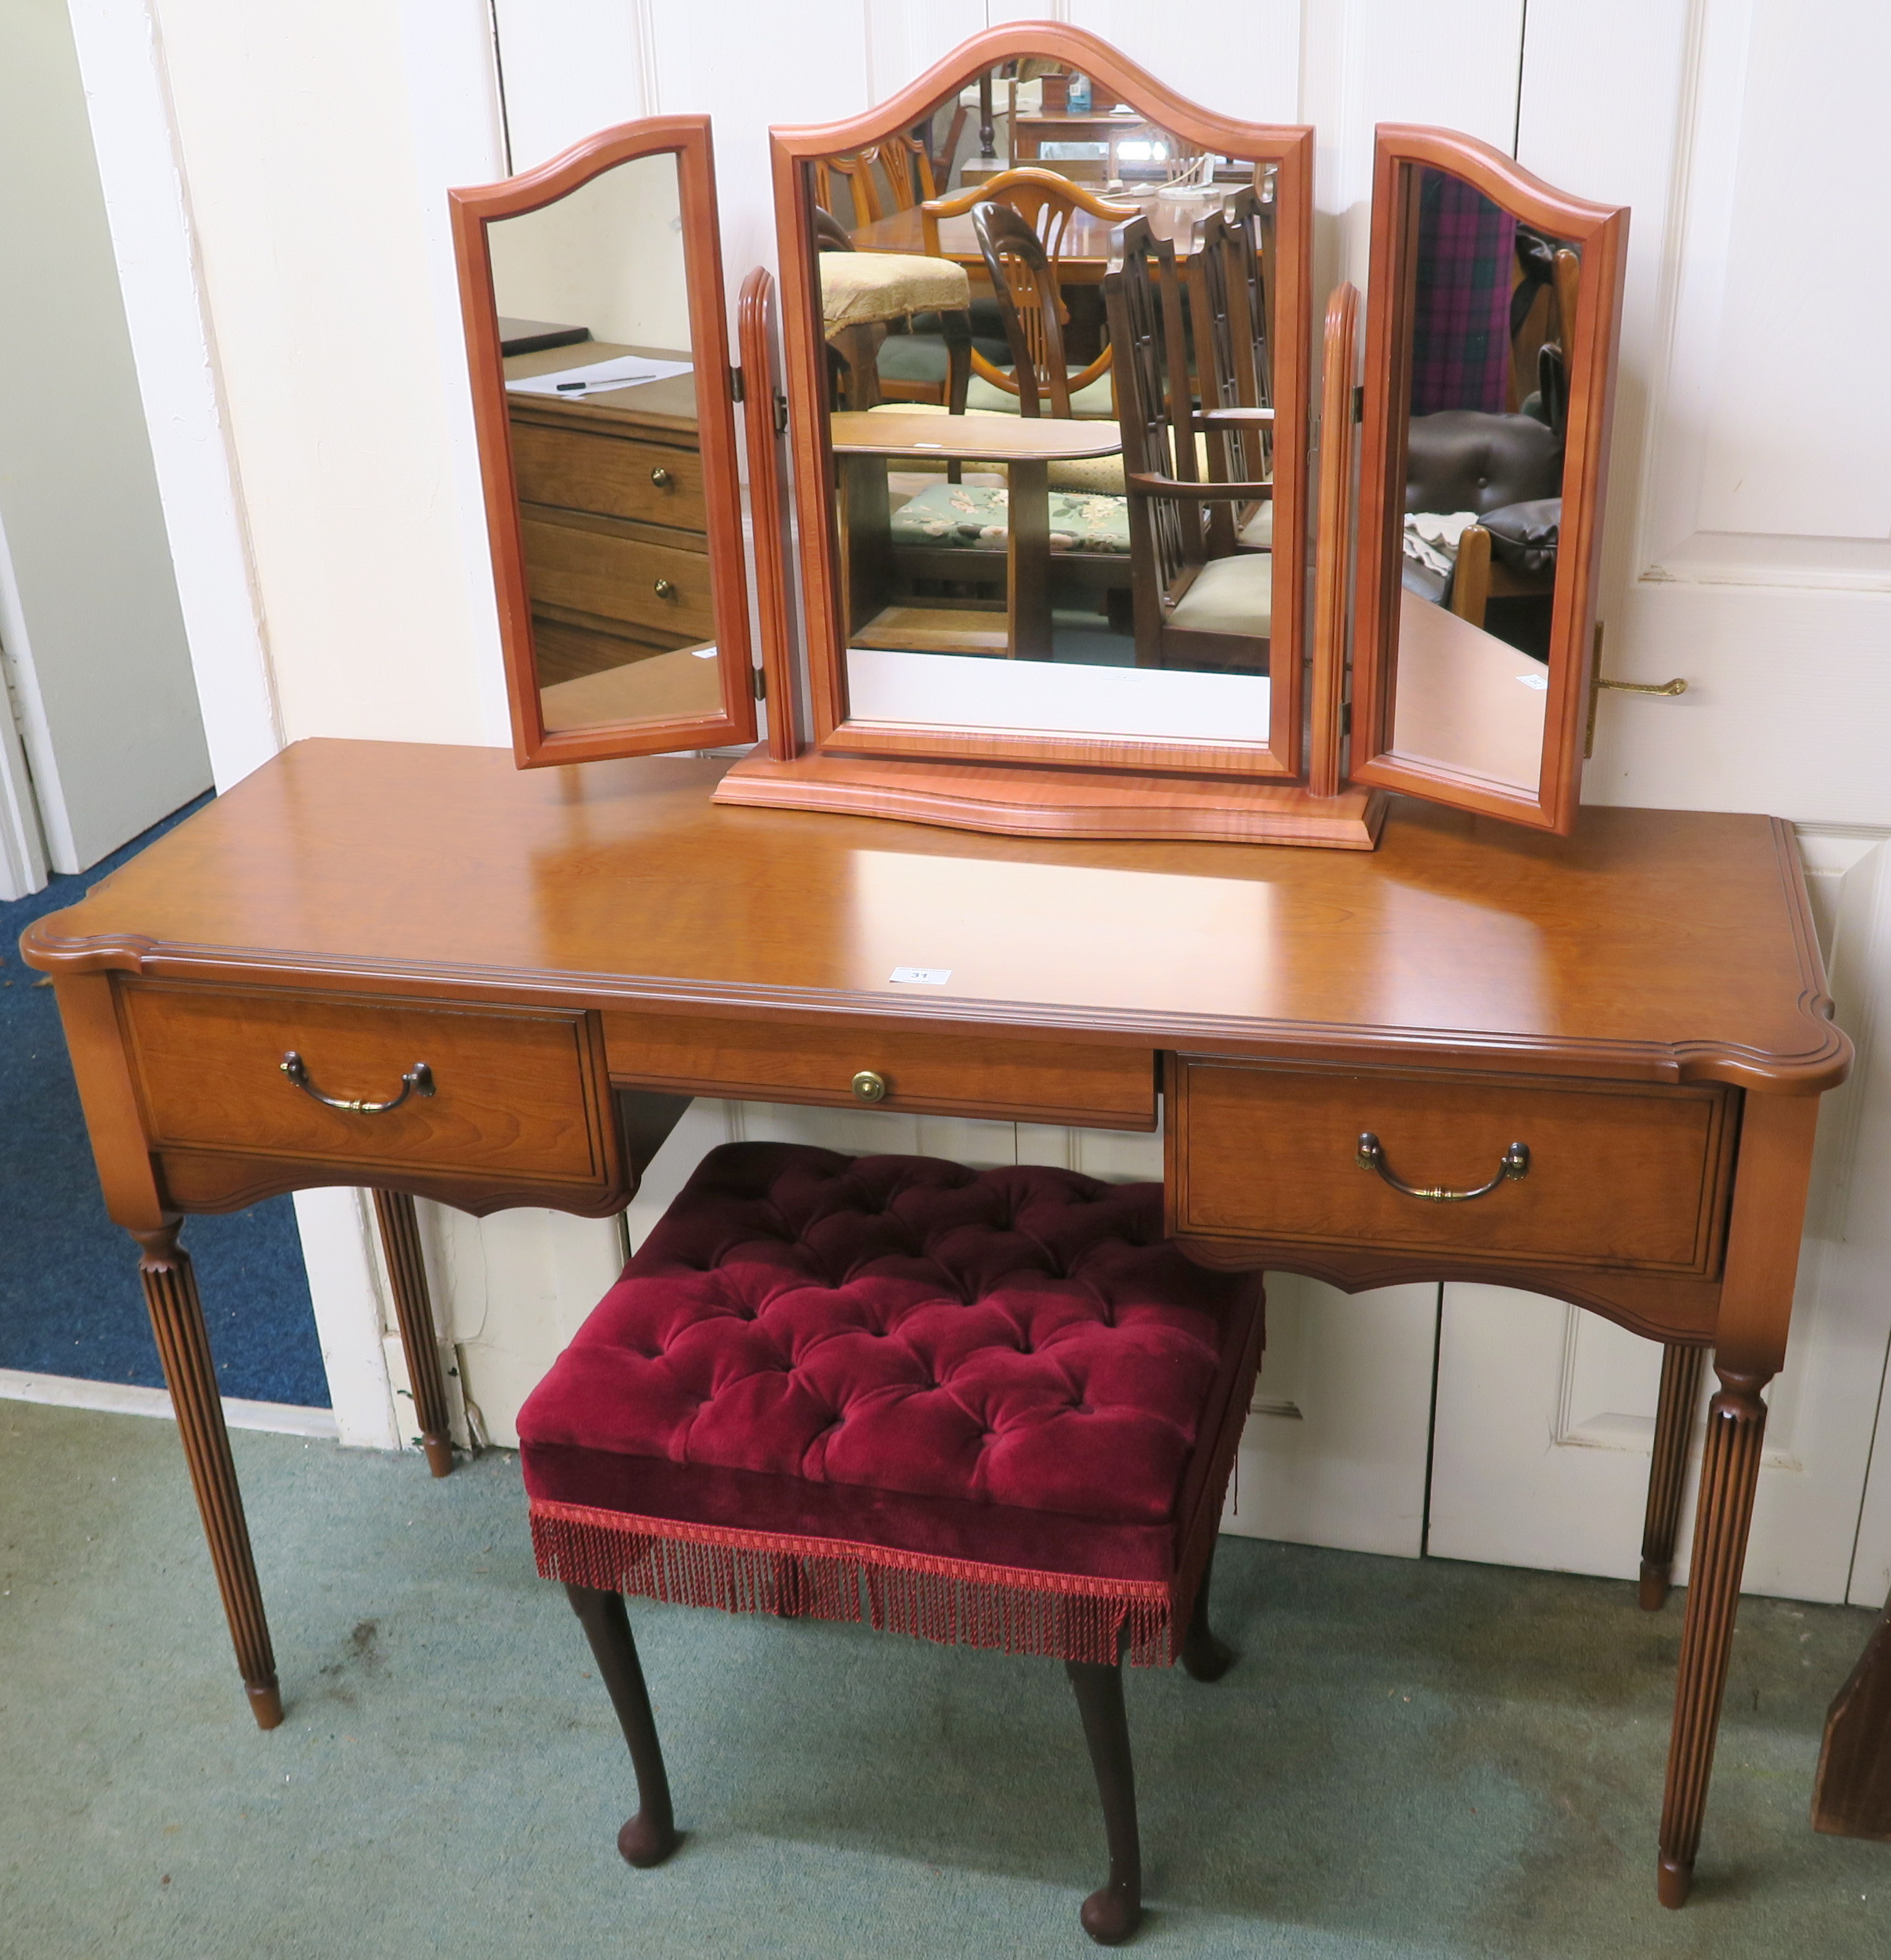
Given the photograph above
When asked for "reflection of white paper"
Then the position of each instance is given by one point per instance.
(622, 371)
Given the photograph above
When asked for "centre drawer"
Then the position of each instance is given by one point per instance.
(948, 1074)
(1617, 1176)
(520, 1095)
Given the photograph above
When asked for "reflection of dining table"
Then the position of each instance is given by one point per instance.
(1025, 445)
(1087, 249)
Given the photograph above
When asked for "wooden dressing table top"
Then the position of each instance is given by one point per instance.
(1652, 945)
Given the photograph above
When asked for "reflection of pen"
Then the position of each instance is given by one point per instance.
(610, 381)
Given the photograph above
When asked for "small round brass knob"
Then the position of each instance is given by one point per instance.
(870, 1087)
(665, 588)
(662, 478)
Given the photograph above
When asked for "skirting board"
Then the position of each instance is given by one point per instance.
(120, 1398)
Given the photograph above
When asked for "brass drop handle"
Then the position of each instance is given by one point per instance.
(662, 478)
(665, 589)
(417, 1081)
(870, 1087)
(1514, 1163)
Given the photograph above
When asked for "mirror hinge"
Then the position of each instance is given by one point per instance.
(781, 413)
(735, 384)
(1358, 403)
(1345, 717)
(761, 678)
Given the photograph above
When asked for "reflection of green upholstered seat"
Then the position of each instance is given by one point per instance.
(968, 518)
(921, 356)
(1229, 595)
(1094, 403)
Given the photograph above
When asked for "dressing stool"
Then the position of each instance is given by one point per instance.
(992, 1408)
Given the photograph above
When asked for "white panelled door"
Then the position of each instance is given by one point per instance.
(1750, 552)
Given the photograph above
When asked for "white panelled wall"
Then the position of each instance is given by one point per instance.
(276, 178)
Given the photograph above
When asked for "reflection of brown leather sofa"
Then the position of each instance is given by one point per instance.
(1507, 469)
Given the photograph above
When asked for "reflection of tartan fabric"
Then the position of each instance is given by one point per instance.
(1460, 325)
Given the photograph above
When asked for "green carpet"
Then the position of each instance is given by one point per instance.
(1410, 1758)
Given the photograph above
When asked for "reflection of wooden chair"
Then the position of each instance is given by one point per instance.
(1046, 203)
(893, 174)
(1032, 309)
(1192, 609)
(1227, 289)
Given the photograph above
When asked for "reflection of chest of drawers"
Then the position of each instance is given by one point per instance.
(611, 506)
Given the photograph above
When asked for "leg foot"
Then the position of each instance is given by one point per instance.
(1730, 1471)
(650, 1837)
(1114, 1910)
(1672, 1883)
(1110, 1914)
(266, 1703)
(413, 1309)
(1668, 1470)
(1206, 1656)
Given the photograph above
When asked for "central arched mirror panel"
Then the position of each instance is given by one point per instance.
(1045, 325)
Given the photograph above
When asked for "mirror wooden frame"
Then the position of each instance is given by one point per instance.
(1403, 152)
(687, 138)
(1290, 149)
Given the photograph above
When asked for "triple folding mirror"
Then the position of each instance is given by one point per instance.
(1046, 330)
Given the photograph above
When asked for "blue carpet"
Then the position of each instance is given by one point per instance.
(70, 1303)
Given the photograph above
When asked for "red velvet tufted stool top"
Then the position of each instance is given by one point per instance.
(996, 1407)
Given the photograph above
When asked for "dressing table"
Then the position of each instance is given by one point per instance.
(1490, 1035)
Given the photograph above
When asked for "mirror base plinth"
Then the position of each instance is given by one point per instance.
(1013, 801)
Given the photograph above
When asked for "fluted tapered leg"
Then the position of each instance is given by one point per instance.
(413, 1312)
(1673, 1428)
(1730, 1472)
(650, 1837)
(183, 1345)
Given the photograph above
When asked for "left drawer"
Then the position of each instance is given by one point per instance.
(520, 1095)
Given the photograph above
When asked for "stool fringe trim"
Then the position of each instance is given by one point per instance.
(956, 1602)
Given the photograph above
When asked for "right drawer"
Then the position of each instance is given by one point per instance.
(1618, 1175)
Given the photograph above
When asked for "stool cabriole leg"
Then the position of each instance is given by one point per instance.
(1730, 1472)
(414, 1310)
(650, 1837)
(1113, 1911)
(183, 1345)
(1673, 1425)
(1205, 1654)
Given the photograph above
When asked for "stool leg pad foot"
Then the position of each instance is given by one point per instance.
(1110, 1914)
(643, 1842)
(1673, 1882)
(1206, 1656)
